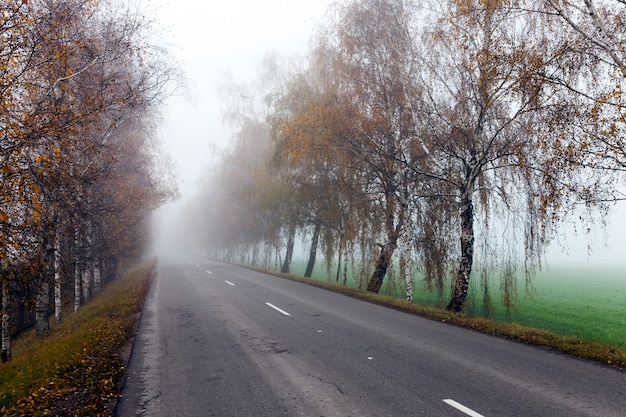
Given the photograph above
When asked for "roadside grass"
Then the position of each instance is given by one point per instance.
(76, 368)
(577, 311)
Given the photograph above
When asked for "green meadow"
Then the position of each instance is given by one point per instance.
(585, 302)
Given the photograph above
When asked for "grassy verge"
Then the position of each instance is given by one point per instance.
(76, 368)
(573, 345)
(585, 302)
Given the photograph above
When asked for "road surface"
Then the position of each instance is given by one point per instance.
(220, 340)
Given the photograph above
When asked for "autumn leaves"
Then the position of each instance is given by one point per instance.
(80, 85)
(446, 138)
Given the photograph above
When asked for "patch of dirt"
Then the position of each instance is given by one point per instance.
(70, 405)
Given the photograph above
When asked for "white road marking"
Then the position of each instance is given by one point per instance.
(278, 309)
(209, 272)
(463, 408)
(229, 283)
(197, 265)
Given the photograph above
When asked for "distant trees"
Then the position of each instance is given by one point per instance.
(452, 139)
(79, 88)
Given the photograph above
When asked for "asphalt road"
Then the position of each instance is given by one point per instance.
(220, 340)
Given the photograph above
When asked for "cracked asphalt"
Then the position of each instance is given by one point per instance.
(219, 340)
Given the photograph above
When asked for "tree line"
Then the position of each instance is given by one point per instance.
(450, 138)
(80, 171)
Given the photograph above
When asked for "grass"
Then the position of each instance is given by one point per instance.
(588, 303)
(579, 311)
(76, 368)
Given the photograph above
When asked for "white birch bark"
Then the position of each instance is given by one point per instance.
(78, 288)
(408, 260)
(58, 285)
(408, 276)
(88, 272)
(97, 280)
(87, 280)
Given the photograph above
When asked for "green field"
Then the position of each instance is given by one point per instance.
(585, 302)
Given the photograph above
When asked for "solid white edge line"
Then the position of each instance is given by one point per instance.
(229, 283)
(278, 309)
(463, 408)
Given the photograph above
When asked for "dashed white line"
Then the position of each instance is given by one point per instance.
(463, 408)
(209, 272)
(278, 309)
(229, 283)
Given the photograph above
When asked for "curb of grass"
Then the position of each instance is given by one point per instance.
(75, 369)
(609, 355)
(127, 350)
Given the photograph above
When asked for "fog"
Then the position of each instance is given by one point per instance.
(215, 41)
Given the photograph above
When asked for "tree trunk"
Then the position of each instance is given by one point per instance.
(291, 239)
(42, 307)
(339, 264)
(461, 284)
(87, 280)
(278, 260)
(406, 263)
(394, 233)
(386, 251)
(255, 255)
(58, 285)
(345, 268)
(112, 268)
(313, 251)
(376, 281)
(6, 324)
(408, 278)
(97, 280)
(88, 264)
(78, 286)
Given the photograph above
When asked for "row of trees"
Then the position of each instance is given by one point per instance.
(451, 137)
(79, 169)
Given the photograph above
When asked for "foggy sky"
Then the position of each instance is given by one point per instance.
(213, 39)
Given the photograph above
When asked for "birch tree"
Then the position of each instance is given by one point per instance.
(486, 96)
(74, 72)
(598, 24)
(594, 32)
(373, 58)
(306, 128)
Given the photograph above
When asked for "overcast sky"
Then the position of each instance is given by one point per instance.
(216, 38)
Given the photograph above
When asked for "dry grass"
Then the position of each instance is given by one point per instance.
(75, 370)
